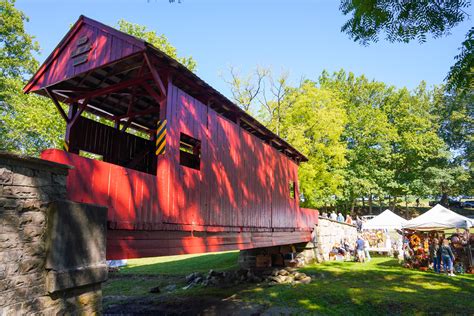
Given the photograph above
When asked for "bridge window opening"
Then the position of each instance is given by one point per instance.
(189, 152)
(291, 186)
(90, 155)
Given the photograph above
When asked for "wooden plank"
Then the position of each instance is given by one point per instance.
(56, 103)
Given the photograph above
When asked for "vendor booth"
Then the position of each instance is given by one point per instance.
(383, 232)
(439, 223)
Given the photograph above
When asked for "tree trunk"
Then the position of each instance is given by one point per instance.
(380, 203)
(363, 204)
(394, 203)
(444, 199)
(352, 205)
(407, 213)
(370, 203)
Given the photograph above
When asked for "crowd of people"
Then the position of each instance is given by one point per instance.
(352, 252)
(435, 250)
(348, 219)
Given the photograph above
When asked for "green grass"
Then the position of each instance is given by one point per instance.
(379, 287)
(140, 275)
(182, 265)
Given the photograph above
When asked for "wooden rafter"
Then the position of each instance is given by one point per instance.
(156, 76)
(82, 107)
(153, 110)
(58, 106)
(113, 88)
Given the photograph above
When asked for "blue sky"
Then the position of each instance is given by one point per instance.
(301, 37)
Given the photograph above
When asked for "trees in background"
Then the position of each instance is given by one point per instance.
(404, 21)
(365, 139)
(28, 123)
(362, 137)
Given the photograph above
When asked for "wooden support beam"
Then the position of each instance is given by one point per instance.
(159, 99)
(58, 106)
(113, 88)
(126, 125)
(154, 73)
(82, 107)
(152, 110)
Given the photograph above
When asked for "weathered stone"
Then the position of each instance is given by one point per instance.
(155, 289)
(33, 205)
(170, 288)
(192, 276)
(59, 179)
(33, 218)
(8, 203)
(62, 280)
(198, 280)
(13, 255)
(6, 176)
(34, 249)
(21, 192)
(42, 177)
(69, 242)
(29, 280)
(299, 276)
(283, 272)
(12, 268)
(25, 179)
(305, 280)
(31, 231)
(31, 264)
(187, 287)
(3, 271)
(27, 187)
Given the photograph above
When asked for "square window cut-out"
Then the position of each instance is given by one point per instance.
(291, 186)
(189, 152)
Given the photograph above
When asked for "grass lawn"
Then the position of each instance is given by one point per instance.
(379, 287)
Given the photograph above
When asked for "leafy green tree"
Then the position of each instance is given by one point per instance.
(16, 46)
(314, 124)
(461, 74)
(368, 134)
(28, 123)
(160, 41)
(403, 21)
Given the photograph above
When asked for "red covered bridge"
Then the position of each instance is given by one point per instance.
(181, 168)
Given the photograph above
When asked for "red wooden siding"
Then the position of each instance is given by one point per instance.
(243, 182)
(238, 199)
(106, 48)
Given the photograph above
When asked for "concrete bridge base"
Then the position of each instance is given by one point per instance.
(294, 255)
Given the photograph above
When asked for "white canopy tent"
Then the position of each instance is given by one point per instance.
(438, 218)
(386, 220)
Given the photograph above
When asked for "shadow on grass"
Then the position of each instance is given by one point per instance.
(379, 287)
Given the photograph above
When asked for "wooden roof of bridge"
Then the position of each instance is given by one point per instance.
(114, 76)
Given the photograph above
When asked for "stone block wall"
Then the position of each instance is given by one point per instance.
(35, 277)
(329, 232)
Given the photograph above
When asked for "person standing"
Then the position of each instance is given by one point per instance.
(333, 216)
(360, 249)
(348, 219)
(447, 257)
(434, 248)
(366, 250)
(340, 218)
